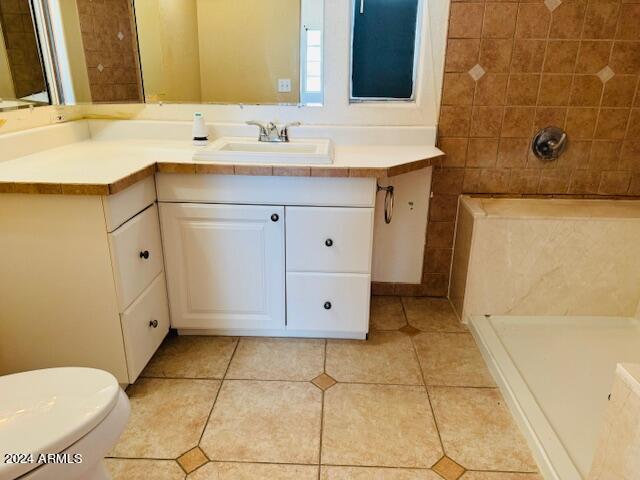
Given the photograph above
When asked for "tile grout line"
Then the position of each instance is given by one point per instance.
(235, 348)
(324, 370)
(415, 352)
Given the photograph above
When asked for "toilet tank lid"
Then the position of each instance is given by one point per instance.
(46, 411)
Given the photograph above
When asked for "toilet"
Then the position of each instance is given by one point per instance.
(76, 413)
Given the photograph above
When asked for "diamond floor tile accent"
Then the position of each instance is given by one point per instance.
(605, 74)
(552, 4)
(192, 459)
(477, 72)
(324, 381)
(448, 469)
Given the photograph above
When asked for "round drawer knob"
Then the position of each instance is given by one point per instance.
(327, 305)
(328, 242)
(153, 323)
(275, 217)
(144, 254)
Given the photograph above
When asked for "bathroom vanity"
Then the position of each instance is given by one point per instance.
(113, 233)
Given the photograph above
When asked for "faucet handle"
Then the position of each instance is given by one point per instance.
(284, 132)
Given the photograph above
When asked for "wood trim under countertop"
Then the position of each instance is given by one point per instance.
(212, 169)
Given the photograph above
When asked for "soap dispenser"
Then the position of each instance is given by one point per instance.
(199, 131)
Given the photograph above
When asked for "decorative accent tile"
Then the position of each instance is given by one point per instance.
(410, 330)
(120, 36)
(192, 459)
(477, 72)
(324, 381)
(552, 4)
(100, 67)
(448, 469)
(605, 74)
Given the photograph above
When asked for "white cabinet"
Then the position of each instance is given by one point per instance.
(225, 266)
(265, 255)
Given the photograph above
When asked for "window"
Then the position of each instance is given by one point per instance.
(312, 66)
(384, 49)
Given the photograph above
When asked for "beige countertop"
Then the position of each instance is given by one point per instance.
(102, 167)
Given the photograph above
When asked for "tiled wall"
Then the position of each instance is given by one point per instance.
(22, 49)
(110, 49)
(513, 67)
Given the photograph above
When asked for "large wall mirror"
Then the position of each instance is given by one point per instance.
(22, 79)
(173, 51)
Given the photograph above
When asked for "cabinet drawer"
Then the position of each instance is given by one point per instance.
(136, 254)
(328, 302)
(329, 239)
(122, 206)
(142, 335)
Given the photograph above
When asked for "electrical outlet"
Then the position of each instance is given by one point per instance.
(284, 85)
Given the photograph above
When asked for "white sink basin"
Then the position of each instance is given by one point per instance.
(248, 150)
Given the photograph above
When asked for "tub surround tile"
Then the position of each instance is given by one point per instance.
(618, 451)
(477, 430)
(192, 356)
(167, 417)
(374, 473)
(381, 425)
(532, 266)
(386, 357)
(277, 359)
(257, 421)
(254, 471)
(125, 469)
(451, 359)
(386, 313)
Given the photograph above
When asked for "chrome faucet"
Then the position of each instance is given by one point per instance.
(271, 133)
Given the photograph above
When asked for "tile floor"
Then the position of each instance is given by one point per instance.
(414, 402)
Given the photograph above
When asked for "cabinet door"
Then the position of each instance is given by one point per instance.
(224, 265)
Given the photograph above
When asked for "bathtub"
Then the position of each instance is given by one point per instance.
(550, 289)
(556, 374)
